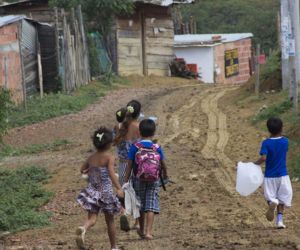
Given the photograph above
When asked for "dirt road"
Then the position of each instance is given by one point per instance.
(202, 135)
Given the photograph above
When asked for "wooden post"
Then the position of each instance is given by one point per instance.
(144, 55)
(257, 70)
(40, 69)
(64, 59)
(58, 61)
(85, 48)
(6, 84)
(5, 74)
(22, 66)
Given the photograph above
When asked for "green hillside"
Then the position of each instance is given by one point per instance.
(232, 16)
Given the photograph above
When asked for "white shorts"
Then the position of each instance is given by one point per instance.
(279, 190)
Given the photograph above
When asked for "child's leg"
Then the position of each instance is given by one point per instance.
(150, 220)
(111, 229)
(80, 232)
(91, 221)
(279, 221)
(136, 224)
(141, 230)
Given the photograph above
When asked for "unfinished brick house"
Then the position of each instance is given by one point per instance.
(218, 58)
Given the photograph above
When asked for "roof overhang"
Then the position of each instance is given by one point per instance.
(164, 2)
(207, 40)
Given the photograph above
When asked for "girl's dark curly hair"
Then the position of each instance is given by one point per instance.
(121, 114)
(102, 138)
(133, 110)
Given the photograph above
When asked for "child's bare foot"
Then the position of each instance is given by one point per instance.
(140, 233)
(148, 237)
(80, 232)
(271, 211)
(136, 226)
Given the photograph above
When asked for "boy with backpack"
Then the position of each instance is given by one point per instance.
(146, 159)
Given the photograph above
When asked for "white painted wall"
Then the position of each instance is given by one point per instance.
(203, 57)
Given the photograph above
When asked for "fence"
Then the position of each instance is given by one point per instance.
(72, 49)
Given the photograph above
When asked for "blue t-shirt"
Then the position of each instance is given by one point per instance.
(147, 144)
(276, 150)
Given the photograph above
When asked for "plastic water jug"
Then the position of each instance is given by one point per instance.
(153, 118)
(249, 178)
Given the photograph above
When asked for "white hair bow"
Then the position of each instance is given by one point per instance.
(100, 136)
(130, 109)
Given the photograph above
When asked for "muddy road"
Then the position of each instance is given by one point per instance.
(203, 136)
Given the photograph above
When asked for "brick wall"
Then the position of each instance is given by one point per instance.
(244, 49)
(9, 49)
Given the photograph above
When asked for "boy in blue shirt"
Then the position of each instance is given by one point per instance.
(277, 185)
(146, 191)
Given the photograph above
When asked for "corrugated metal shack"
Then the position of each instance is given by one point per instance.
(64, 50)
(19, 47)
(145, 39)
(42, 14)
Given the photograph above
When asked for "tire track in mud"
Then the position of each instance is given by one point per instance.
(215, 147)
(202, 210)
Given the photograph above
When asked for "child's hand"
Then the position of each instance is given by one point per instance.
(120, 193)
(84, 171)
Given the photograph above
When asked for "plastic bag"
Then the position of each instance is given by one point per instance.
(249, 178)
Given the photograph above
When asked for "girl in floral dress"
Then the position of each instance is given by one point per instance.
(126, 135)
(99, 195)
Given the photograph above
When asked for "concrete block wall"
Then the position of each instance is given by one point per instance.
(244, 49)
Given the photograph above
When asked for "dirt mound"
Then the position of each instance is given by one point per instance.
(272, 83)
(137, 80)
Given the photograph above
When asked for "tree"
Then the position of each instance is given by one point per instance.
(234, 16)
(100, 14)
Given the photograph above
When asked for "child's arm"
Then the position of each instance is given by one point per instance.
(113, 177)
(261, 160)
(84, 168)
(164, 169)
(128, 170)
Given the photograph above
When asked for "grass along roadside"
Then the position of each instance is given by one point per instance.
(58, 104)
(270, 105)
(9, 150)
(21, 196)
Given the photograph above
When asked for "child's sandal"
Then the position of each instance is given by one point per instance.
(80, 232)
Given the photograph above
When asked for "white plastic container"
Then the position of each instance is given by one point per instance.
(153, 118)
(249, 178)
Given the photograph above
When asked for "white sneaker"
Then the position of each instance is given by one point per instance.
(270, 214)
(280, 225)
(80, 232)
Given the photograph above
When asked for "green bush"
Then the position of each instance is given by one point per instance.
(21, 196)
(274, 111)
(295, 167)
(272, 65)
(94, 57)
(5, 102)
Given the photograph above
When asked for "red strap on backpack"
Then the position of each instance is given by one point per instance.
(154, 147)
